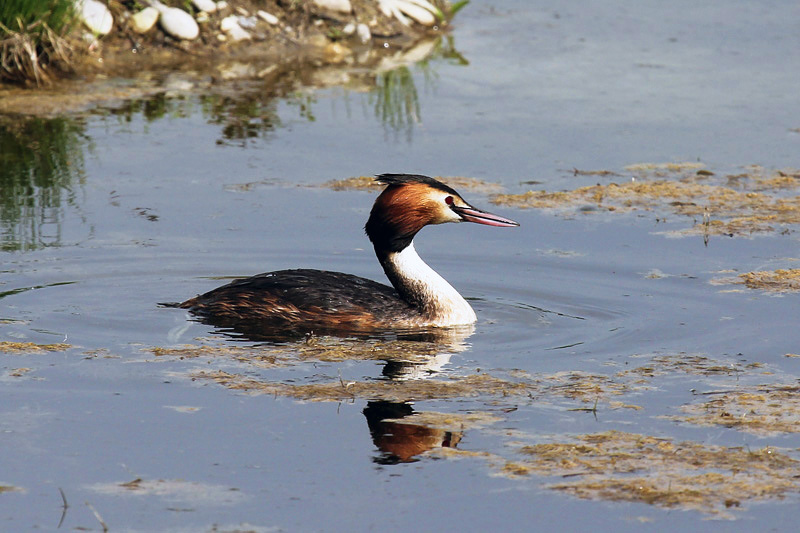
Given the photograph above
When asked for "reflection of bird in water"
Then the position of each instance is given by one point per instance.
(403, 370)
(304, 300)
(400, 442)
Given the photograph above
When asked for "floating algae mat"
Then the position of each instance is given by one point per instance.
(326, 349)
(778, 281)
(338, 390)
(739, 204)
(236, 366)
(764, 410)
(620, 466)
(408, 360)
(629, 467)
(457, 182)
(30, 347)
(781, 280)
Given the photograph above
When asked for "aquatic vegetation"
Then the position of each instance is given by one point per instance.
(781, 280)
(404, 360)
(327, 349)
(252, 356)
(733, 205)
(665, 169)
(763, 410)
(30, 347)
(450, 421)
(457, 182)
(582, 386)
(620, 466)
(18, 372)
(397, 391)
(573, 386)
(613, 466)
(775, 281)
(685, 363)
(355, 183)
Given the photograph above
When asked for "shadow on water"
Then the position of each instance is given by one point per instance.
(41, 167)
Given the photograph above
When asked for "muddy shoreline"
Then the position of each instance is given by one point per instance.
(308, 45)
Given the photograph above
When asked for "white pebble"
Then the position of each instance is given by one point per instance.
(248, 23)
(207, 6)
(416, 12)
(144, 20)
(239, 34)
(363, 33)
(269, 18)
(95, 15)
(342, 6)
(230, 25)
(228, 22)
(421, 11)
(177, 22)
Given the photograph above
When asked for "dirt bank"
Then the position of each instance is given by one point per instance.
(317, 44)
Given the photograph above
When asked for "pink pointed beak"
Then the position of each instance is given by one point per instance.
(473, 214)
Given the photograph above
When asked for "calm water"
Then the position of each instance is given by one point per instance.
(104, 215)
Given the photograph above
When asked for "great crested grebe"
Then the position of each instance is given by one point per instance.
(306, 300)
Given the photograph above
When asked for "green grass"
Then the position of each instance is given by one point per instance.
(457, 6)
(31, 38)
(28, 15)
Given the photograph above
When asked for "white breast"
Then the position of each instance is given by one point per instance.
(441, 303)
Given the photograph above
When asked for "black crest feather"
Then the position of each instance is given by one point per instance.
(403, 179)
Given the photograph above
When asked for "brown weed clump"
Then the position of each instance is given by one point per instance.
(32, 42)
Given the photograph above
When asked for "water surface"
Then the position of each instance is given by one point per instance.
(108, 213)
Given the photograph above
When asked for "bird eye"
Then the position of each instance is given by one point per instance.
(449, 200)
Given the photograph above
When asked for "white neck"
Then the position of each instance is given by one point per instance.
(419, 284)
